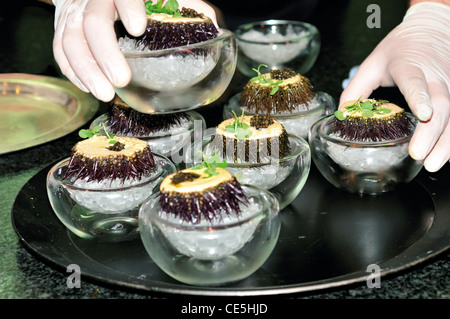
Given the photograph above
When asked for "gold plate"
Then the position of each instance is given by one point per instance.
(36, 109)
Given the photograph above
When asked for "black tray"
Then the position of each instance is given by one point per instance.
(328, 238)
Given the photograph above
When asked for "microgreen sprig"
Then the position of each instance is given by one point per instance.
(95, 131)
(170, 8)
(261, 79)
(239, 128)
(211, 163)
(367, 108)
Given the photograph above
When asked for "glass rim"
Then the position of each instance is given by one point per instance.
(223, 34)
(303, 147)
(69, 185)
(155, 213)
(294, 115)
(360, 144)
(274, 22)
(194, 115)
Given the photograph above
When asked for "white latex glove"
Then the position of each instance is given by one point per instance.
(85, 45)
(415, 56)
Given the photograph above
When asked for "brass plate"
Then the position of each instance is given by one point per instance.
(36, 109)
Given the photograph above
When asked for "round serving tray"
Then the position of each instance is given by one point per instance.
(36, 109)
(328, 238)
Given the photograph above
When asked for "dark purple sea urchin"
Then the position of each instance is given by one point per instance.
(195, 198)
(164, 31)
(269, 140)
(124, 120)
(391, 124)
(293, 91)
(94, 160)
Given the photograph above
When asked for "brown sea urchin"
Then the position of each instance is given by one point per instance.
(293, 90)
(371, 120)
(267, 140)
(124, 120)
(166, 31)
(193, 196)
(95, 159)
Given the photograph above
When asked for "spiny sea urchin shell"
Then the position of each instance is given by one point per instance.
(94, 159)
(192, 196)
(380, 127)
(295, 90)
(165, 31)
(268, 140)
(124, 120)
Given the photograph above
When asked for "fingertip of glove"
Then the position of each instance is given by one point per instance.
(424, 112)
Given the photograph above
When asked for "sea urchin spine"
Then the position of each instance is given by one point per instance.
(294, 90)
(112, 165)
(211, 203)
(164, 31)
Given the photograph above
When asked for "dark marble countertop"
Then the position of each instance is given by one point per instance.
(26, 35)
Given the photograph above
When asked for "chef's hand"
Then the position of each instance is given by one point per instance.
(415, 56)
(85, 45)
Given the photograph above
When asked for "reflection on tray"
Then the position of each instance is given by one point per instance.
(332, 232)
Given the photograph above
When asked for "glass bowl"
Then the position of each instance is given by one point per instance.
(362, 167)
(295, 123)
(212, 254)
(104, 211)
(283, 177)
(277, 43)
(166, 142)
(181, 78)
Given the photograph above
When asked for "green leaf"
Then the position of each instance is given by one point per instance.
(367, 105)
(242, 133)
(112, 142)
(339, 115)
(229, 128)
(96, 129)
(211, 171)
(171, 5)
(213, 159)
(383, 111)
(222, 164)
(367, 113)
(274, 90)
(198, 166)
(85, 133)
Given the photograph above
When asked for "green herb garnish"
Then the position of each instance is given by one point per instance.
(261, 79)
(170, 8)
(367, 108)
(211, 163)
(95, 131)
(239, 128)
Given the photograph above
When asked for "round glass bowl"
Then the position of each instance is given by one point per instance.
(362, 167)
(107, 211)
(166, 142)
(296, 123)
(283, 177)
(277, 43)
(208, 254)
(181, 78)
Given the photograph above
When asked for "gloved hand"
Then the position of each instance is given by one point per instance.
(415, 56)
(85, 45)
